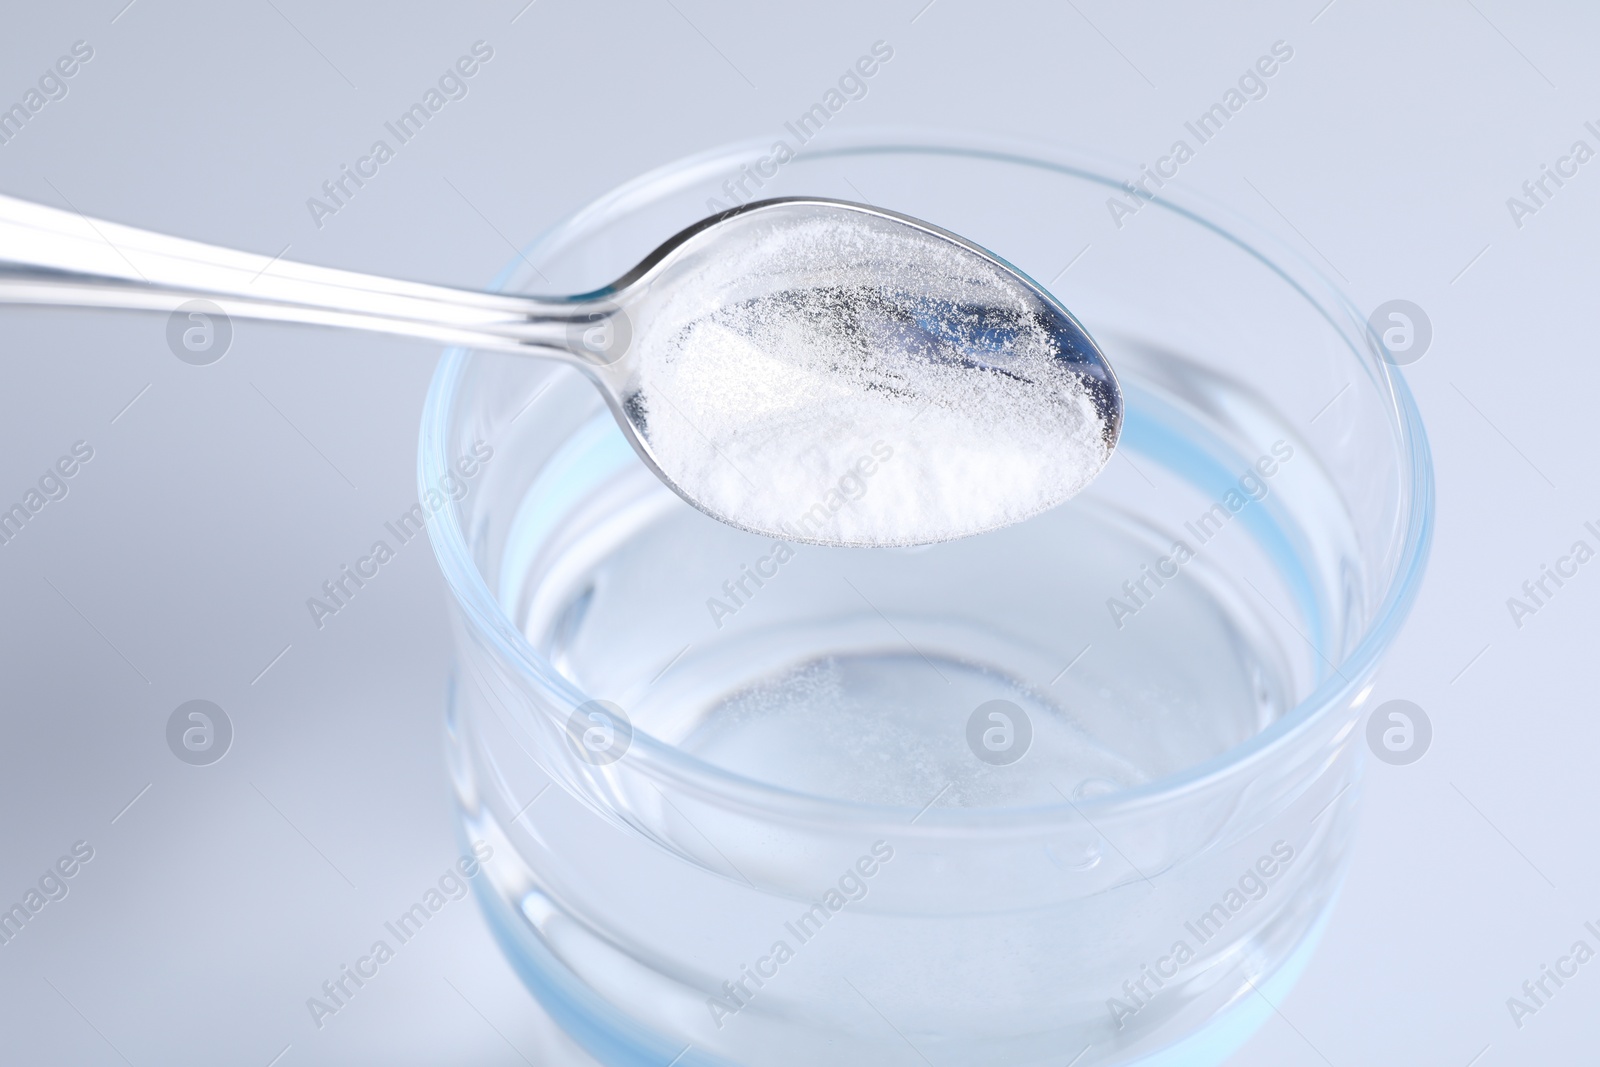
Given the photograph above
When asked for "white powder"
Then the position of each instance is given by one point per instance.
(844, 379)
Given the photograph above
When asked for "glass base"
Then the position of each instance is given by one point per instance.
(586, 1025)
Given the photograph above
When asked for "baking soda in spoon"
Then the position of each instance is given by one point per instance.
(854, 383)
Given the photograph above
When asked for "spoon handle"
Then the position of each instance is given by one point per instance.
(49, 256)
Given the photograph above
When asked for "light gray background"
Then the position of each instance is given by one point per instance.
(179, 565)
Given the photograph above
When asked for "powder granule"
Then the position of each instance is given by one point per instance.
(767, 385)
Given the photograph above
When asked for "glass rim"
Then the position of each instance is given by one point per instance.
(665, 762)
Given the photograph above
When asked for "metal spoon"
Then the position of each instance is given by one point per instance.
(916, 303)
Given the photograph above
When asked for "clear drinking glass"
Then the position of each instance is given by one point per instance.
(1083, 787)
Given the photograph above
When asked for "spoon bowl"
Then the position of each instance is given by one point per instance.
(813, 370)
